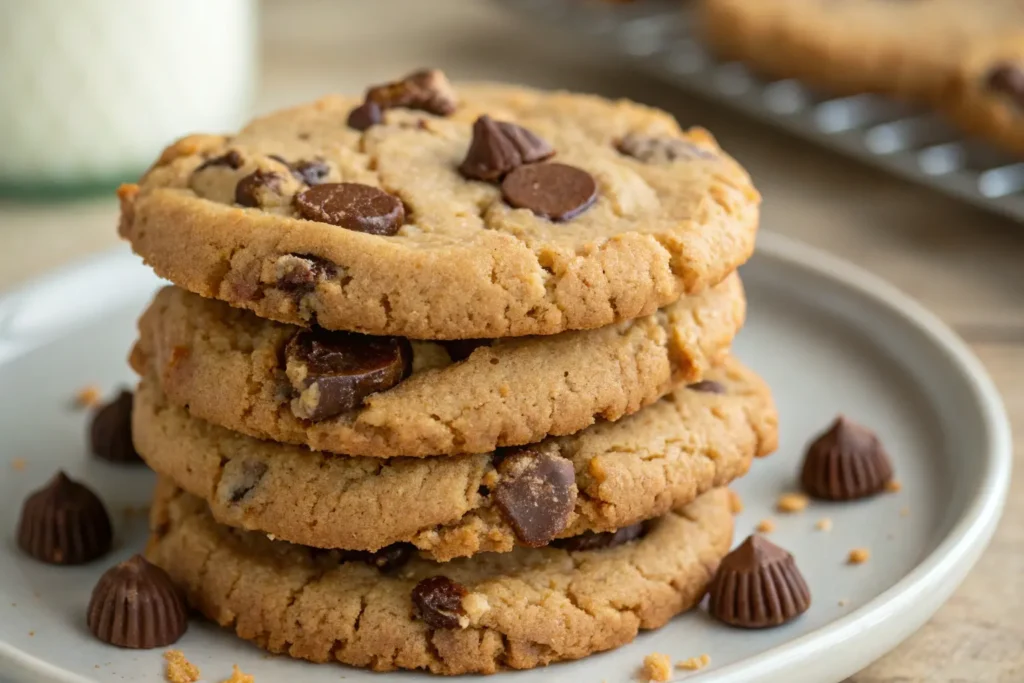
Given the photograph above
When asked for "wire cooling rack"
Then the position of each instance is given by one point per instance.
(914, 143)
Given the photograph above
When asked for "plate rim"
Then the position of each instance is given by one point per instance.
(937, 574)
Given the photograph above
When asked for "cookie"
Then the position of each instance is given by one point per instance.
(251, 375)
(519, 610)
(988, 98)
(913, 49)
(606, 477)
(589, 212)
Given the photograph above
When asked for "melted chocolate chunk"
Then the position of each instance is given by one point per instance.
(362, 208)
(365, 116)
(660, 149)
(590, 540)
(300, 273)
(555, 191)
(461, 349)
(249, 188)
(232, 159)
(499, 147)
(536, 494)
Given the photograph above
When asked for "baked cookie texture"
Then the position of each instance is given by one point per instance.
(911, 49)
(609, 476)
(518, 610)
(988, 97)
(229, 367)
(465, 264)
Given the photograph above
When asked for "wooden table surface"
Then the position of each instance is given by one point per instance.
(965, 265)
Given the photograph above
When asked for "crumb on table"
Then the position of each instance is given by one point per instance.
(694, 663)
(792, 502)
(843, 602)
(657, 667)
(735, 502)
(824, 524)
(766, 526)
(858, 556)
(893, 486)
(238, 677)
(31, 634)
(88, 396)
(18, 464)
(179, 669)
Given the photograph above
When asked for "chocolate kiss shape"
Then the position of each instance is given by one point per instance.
(845, 463)
(758, 585)
(135, 605)
(64, 523)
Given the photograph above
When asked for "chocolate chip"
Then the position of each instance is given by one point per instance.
(363, 208)
(365, 116)
(1007, 78)
(297, 273)
(845, 463)
(136, 605)
(392, 557)
(758, 585)
(110, 434)
(708, 386)
(438, 601)
(461, 349)
(241, 484)
(590, 540)
(660, 149)
(498, 147)
(556, 191)
(250, 187)
(334, 371)
(427, 90)
(311, 172)
(232, 159)
(64, 523)
(536, 494)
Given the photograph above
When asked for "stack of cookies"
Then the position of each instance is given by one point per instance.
(444, 381)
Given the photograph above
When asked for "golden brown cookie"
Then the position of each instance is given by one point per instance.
(609, 476)
(252, 375)
(372, 218)
(519, 610)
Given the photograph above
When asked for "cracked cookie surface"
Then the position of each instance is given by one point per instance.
(229, 367)
(618, 474)
(518, 610)
(219, 216)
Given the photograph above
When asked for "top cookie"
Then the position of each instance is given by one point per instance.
(430, 213)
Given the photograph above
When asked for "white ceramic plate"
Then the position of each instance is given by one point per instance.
(828, 338)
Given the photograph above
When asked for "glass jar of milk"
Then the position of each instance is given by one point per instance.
(92, 90)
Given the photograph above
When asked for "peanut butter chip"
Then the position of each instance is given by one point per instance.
(362, 208)
(556, 191)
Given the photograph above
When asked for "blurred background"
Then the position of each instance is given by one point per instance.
(91, 90)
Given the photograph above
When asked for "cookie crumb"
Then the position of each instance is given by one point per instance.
(179, 669)
(694, 663)
(18, 464)
(657, 667)
(31, 634)
(844, 602)
(904, 511)
(766, 526)
(735, 502)
(792, 502)
(823, 524)
(893, 486)
(88, 396)
(238, 677)
(858, 556)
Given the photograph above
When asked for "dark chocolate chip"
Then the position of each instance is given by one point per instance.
(1007, 78)
(334, 371)
(392, 557)
(438, 601)
(845, 463)
(300, 273)
(758, 585)
(461, 349)
(363, 208)
(536, 494)
(427, 90)
(556, 191)
(311, 172)
(708, 386)
(110, 434)
(590, 540)
(232, 159)
(365, 116)
(498, 147)
(136, 605)
(243, 483)
(661, 149)
(64, 523)
(249, 187)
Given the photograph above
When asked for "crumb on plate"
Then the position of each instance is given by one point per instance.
(657, 667)
(766, 526)
(694, 663)
(179, 669)
(238, 677)
(18, 464)
(858, 556)
(824, 524)
(735, 502)
(893, 486)
(88, 396)
(844, 602)
(792, 502)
